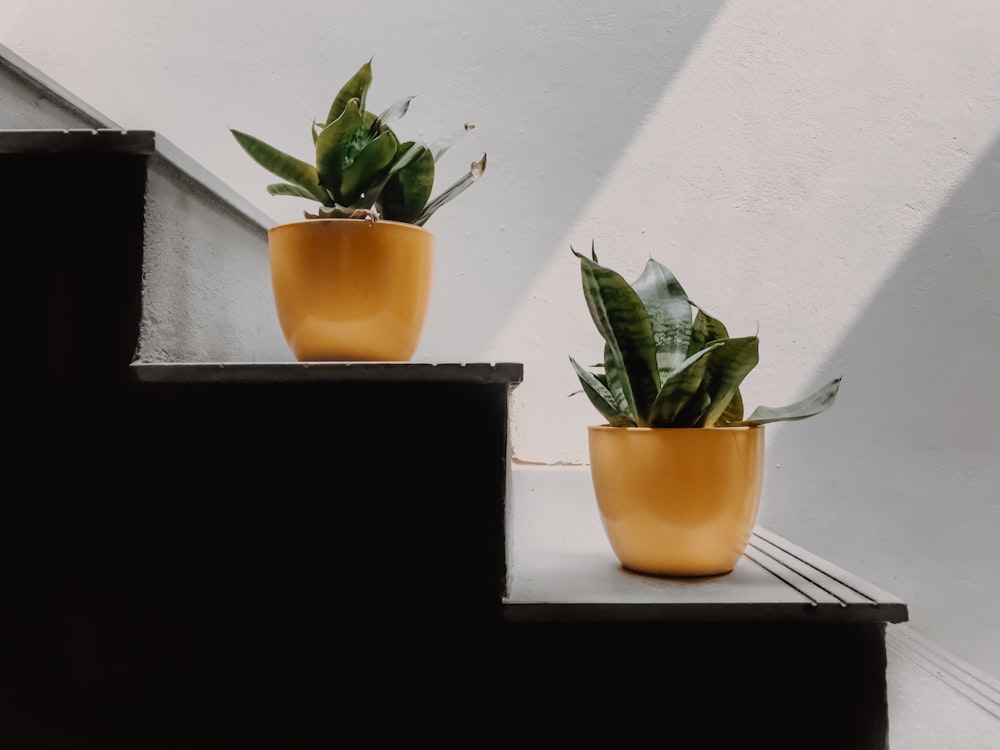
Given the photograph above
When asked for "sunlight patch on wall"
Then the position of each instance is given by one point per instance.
(787, 169)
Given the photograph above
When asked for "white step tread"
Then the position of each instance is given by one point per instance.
(561, 568)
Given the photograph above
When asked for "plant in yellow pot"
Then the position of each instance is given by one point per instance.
(352, 281)
(677, 469)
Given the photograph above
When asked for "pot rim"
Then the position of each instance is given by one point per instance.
(607, 427)
(340, 219)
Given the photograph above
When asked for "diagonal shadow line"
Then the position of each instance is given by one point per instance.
(898, 481)
(575, 131)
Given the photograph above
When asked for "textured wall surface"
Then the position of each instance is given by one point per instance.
(206, 282)
(827, 178)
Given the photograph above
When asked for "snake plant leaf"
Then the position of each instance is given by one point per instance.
(407, 153)
(602, 378)
(284, 188)
(726, 369)
(404, 194)
(818, 402)
(732, 413)
(705, 330)
(623, 323)
(337, 148)
(601, 397)
(370, 165)
(693, 414)
(476, 170)
(370, 123)
(395, 111)
(283, 165)
(681, 400)
(355, 88)
(618, 397)
(670, 313)
(613, 377)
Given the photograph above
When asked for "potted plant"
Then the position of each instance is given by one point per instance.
(352, 280)
(677, 470)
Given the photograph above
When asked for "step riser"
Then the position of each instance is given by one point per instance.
(204, 283)
(141, 229)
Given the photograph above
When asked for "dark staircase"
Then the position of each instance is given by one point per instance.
(204, 544)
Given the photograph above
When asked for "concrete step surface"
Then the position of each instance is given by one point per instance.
(937, 701)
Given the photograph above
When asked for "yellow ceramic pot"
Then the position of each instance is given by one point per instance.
(351, 289)
(677, 502)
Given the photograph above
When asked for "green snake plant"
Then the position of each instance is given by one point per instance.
(667, 362)
(361, 169)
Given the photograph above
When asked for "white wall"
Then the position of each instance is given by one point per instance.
(829, 174)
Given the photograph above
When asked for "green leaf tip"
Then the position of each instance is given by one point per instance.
(810, 406)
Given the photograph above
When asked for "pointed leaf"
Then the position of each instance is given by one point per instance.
(355, 88)
(705, 330)
(726, 369)
(621, 319)
(818, 402)
(732, 413)
(405, 192)
(284, 188)
(693, 414)
(601, 398)
(476, 170)
(614, 378)
(406, 154)
(337, 147)
(370, 166)
(670, 312)
(395, 111)
(680, 401)
(283, 165)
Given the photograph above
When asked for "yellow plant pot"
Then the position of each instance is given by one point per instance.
(677, 502)
(351, 289)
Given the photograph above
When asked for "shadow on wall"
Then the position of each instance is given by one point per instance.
(898, 482)
(587, 114)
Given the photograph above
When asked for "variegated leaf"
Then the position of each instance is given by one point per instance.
(404, 194)
(670, 313)
(614, 378)
(818, 402)
(476, 170)
(601, 397)
(726, 369)
(336, 149)
(284, 188)
(355, 88)
(705, 330)
(395, 111)
(673, 404)
(732, 413)
(283, 165)
(369, 166)
(621, 319)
